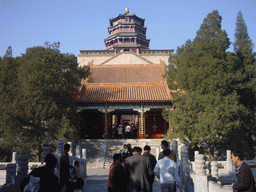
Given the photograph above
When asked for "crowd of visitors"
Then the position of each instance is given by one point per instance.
(43, 179)
(130, 171)
(124, 131)
(133, 171)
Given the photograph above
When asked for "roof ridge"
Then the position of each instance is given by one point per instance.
(128, 65)
(134, 84)
(126, 52)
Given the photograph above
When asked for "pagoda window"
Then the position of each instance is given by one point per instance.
(126, 40)
(126, 49)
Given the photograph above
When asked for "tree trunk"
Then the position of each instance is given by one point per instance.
(211, 155)
(39, 149)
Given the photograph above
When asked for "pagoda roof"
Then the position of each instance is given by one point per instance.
(128, 23)
(125, 15)
(125, 34)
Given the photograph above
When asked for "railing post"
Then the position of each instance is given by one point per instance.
(10, 172)
(46, 150)
(84, 160)
(230, 164)
(78, 151)
(201, 179)
(22, 170)
(214, 169)
(14, 157)
(60, 149)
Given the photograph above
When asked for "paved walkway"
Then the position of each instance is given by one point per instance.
(97, 180)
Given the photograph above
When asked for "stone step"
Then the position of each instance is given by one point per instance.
(100, 152)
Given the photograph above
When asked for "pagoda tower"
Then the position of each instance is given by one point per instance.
(127, 33)
(126, 83)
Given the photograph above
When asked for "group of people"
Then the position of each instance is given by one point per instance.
(132, 172)
(43, 179)
(124, 131)
(136, 172)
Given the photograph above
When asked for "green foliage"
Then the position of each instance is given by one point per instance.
(8, 52)
(37, 98)
(244, 82)
(207, 105)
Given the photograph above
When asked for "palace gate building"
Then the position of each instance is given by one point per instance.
(126, 83)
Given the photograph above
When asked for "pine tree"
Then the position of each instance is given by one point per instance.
(9, 127)
(243, 44)
(8, 52)
(207, 108)
(244, 83)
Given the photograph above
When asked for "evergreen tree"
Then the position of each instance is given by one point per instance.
(207, 108)
(45, 107)
(9, 127)
(8, 52)
(244, 83)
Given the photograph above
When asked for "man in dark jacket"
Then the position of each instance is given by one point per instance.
(244, 177)
(152, 159)
(164, 145)
(64, 169)
(140, 171)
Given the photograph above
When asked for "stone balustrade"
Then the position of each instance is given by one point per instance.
(20, 167)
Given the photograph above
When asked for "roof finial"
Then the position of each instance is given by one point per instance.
(126, 10)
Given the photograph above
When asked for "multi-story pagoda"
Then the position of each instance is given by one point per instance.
(127, 33)
(126, 83)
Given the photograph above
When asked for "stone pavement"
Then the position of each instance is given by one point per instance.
(97, 180)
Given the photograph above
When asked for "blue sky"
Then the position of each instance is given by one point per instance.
(82, 24)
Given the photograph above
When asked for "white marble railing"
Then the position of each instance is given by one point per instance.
(18, 169)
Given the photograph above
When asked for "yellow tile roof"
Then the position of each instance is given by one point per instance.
(136, 83)
(127, 73)
(123, 92)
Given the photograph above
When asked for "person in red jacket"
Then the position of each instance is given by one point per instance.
(116, 158)
(244, 177)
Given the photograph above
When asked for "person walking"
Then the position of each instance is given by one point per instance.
(134, 131)
(64, 169)
(152, 159)
(244, 177)
(167, 171)
(128, 131)
(120, 131)
(164, 145)
(140, 172)
(120, 179)
(116, 158)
